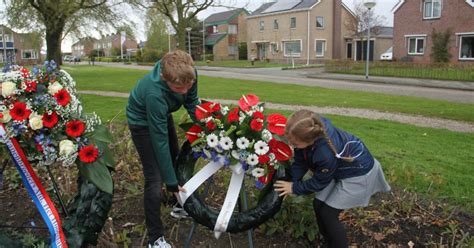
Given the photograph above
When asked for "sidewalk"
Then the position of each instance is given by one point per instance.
(455, 85)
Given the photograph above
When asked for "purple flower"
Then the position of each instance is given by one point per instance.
(259, 184)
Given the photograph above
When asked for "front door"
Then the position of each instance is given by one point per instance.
(361, 52)
(262, 51)
(349, 50)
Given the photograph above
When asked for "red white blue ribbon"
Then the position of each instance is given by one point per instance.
(36, 190)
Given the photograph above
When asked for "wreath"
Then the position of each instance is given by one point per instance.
(40, 111)
(247, 142)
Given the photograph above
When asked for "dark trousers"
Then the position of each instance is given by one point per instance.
(153, 183)
(329, 225)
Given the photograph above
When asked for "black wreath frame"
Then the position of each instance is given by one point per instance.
(268, 205)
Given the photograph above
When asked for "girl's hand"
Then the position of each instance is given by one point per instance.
(284, 187)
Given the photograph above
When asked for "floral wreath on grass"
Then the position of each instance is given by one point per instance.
(242, 136)
(41, 111)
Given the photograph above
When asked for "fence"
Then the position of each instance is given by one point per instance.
(444, 71)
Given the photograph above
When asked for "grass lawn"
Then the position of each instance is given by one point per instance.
(123, 80)
(409, 70)
(429, 161)
(240, 64)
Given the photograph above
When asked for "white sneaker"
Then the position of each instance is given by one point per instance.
(179, 213)
(160, 243)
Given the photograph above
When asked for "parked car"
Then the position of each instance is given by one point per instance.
(68, 58)
(387, 55)
(76, 59)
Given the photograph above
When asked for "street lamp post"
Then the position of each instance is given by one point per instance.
(369, 4)
(188, 29)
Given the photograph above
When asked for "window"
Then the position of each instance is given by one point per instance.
(214, 29)
(470, 2)
(29, 54)
(232, 49)
(319, 22)
(293, 22)
(232, 29)
(275, 24)
(467, 47)
(431, 9)
(292, 48)
(274, 47)
(416, 45)
(320, 47)
(262, 25)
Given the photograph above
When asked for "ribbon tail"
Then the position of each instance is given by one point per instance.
(230, 201)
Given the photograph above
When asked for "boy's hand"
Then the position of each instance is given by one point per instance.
(284, 187)
(179, 189)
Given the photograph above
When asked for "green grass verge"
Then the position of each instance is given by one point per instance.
(239, 64)
(429, 161)
(123, 80)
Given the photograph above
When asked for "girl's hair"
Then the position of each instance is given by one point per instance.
(177, 68)
(306, 126)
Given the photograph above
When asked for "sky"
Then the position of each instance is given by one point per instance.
(383, 8)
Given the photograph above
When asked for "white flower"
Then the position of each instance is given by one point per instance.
(54, 88)
(258, 172)
(66, 147)
(261, 147)
(212, 140)
(6, 116)
(36, 121)
(252, 159)
(242, 143)
(226, 143)
(8, 88)
(266, 135)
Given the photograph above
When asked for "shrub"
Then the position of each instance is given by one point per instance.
(440, 50)
(151, 55)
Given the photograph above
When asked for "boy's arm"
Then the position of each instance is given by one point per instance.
(324, 173)
(158, 124)
(192, 99)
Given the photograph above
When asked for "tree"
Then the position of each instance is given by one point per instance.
(362, 19)
(181, 13)
(157, 30)
(57, 18)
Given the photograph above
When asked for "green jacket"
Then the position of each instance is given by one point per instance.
(149, 104)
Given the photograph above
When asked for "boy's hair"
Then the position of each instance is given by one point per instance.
(177, 68)
(306, 126)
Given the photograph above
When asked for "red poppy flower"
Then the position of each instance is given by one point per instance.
(263, 159)
(276, 123)
(20, 112)
(25, 73)
(50, 120)
(211, 125)
(192, 133)
(30, 86)
(233, 115)
(62, 97)
(281, 150)
(75, 128)
(206, 109)
(256, 125)
(88, 154)
(245, 102)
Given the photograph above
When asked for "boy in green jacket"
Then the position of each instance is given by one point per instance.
(171, 84)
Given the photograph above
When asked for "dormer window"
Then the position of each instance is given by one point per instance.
(214, 29)
(431, 9)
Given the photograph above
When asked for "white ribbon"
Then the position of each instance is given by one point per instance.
(232, 192)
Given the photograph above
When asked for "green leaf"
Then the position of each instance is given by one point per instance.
(101, 133)
(186, 126)
(98, 174)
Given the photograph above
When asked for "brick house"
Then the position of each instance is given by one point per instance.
(19, 48)
(226, 31)
(83, 47)
(108, 43)
(306, 31)
(415, 20)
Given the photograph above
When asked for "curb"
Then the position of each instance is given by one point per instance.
(452, 85)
